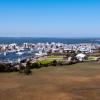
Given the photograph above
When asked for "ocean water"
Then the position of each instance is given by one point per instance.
(9, 40)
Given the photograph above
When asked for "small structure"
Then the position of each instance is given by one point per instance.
(81, 57)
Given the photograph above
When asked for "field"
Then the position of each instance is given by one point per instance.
(72, 82)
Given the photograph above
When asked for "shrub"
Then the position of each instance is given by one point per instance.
(54, 63)
(2, 68)
(36, 65)
(29, 64)
(60, 63)
(27, 71)
(7, 68)
(21, 71)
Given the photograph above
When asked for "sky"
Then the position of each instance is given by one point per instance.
(49, 18)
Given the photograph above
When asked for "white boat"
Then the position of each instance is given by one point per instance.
(40, 54)
(19, 53)
(5, 54)
(19, 60)
(31, 49)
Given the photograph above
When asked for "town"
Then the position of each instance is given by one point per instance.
(45, 51)
(53, 47)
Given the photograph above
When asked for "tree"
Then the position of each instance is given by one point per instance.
(29, 64)
(54, 63)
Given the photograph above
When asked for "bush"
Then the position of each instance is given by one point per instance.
(60, 63)
(27, 71)
(21, 71)
(7, 68)
(36, 65)
(2, 68)
(43, 64)
(29, 64)
(54, 63)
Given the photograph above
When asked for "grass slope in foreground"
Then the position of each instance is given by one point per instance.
(75, 82)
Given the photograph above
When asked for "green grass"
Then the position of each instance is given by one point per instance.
(45, 61)
(92, 58)
(55, 56)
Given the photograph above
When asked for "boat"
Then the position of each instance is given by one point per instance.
(31, 49)
(19, 60)
(19, 53)
(5, 54)
(38, 54)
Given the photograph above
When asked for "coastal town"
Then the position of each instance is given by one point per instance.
(43, 51)
(53, 47)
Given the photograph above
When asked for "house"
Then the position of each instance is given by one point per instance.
(81, 57)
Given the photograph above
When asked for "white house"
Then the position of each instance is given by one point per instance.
(81, 56)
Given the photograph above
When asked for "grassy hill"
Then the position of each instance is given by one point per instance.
(72, 82)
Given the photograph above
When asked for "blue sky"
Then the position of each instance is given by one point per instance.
(50, 18)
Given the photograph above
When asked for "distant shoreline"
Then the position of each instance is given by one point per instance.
(58, 37)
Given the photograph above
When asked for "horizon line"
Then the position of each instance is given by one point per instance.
(42, 37)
